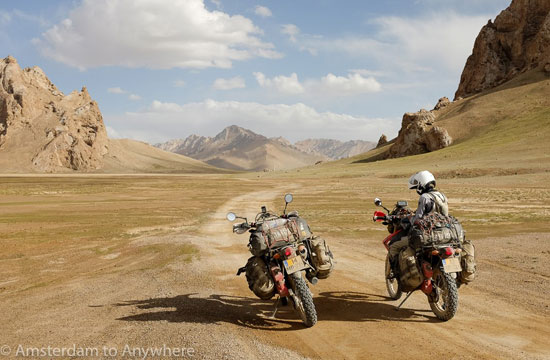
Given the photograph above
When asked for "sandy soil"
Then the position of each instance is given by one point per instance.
(202, 304)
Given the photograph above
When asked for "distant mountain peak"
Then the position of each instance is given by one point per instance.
(234, 132)
(238, 148)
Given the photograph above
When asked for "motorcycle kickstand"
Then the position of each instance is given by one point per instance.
(276, 308)
(402, 302)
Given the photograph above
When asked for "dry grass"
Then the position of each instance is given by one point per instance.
(55, 228)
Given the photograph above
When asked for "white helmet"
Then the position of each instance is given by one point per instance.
(421, 181)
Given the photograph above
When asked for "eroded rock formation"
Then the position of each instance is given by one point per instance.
(419, 135)
(44, 130)
(518, 40)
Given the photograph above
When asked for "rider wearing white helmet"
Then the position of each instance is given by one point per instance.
(430, 200)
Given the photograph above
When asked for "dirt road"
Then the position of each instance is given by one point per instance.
(202, 304)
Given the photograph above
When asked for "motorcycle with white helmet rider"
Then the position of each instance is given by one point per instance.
(430, 200)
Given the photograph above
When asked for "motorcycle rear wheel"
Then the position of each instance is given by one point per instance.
(392, 285)
(447, 302)
(303, 300)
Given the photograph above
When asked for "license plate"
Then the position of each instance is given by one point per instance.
(451, 265)
(293, 265)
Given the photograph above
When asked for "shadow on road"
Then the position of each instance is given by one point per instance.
(249, 312)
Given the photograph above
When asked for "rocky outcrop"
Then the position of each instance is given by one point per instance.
(419, 135)
(518, 40)
(42, 129)
(441, 103)
(382, 141)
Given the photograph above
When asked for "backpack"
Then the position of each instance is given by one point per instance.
(441, 204)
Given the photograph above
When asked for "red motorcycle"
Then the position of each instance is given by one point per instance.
(282, 261)
(432, 267)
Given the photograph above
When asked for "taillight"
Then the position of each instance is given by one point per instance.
(449, 251)
(288, 251)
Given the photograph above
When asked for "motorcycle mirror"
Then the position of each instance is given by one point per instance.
(288, 198)
(231, 216)
(377, 202)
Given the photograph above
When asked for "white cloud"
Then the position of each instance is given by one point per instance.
(446, 38)
(228, 84)
(218, 4)
(116, 90)
(178, 83)
(437, 41)
(5, 18)
(157, 34)
(284, 84)
(291, 30)
(262, 11)
(209, 117)
(329, 85)
(120, 91)
(367, 72)
(351, 84)
(112, 133)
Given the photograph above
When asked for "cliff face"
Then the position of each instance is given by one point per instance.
(518, 40)
(43, 130)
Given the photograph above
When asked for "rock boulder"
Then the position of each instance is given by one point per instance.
(418, 135)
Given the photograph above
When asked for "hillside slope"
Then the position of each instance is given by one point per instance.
(130, 156)
(502, 131)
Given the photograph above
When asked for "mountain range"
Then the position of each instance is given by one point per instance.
(237, 148)
(43, 130)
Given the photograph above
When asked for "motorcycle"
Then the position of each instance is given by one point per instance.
(439, 265)
(282, 245)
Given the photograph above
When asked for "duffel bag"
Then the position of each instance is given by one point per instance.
(277, 232)
(299, 227)
(435, 229)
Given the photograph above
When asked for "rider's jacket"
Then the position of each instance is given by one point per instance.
(430, 202)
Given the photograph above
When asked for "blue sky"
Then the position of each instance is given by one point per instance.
(163, 69)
